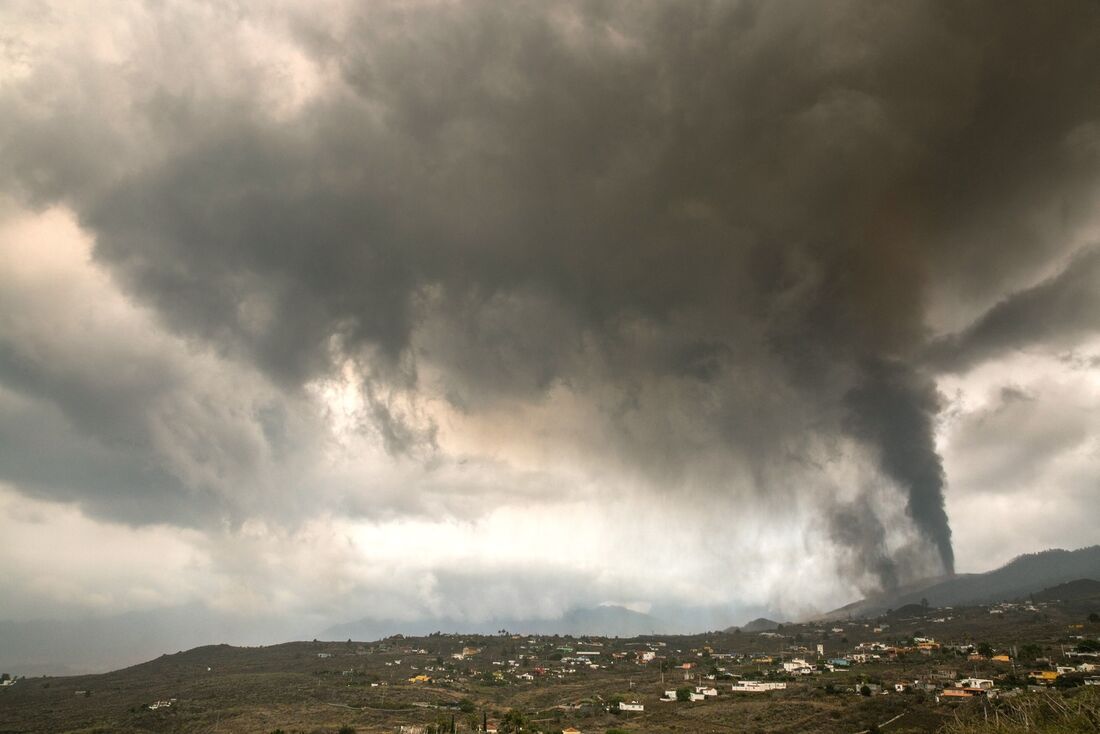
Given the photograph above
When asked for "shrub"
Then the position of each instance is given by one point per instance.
(1045, 713)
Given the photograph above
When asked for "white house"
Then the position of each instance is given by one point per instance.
(633, 706)
(795, 665)
(984, 683)
(755, 686)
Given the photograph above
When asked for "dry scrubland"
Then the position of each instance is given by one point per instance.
(329, 686)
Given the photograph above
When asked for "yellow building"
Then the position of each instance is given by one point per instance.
(1044, 677)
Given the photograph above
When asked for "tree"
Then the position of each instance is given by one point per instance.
(683, 694)
(864, 690)
(513, 721)
(985, 649)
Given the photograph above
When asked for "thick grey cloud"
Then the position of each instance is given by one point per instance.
(1056, 313)
(718, 228)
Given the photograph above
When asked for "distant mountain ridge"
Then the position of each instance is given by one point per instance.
(760, 624)
(608, 620)
(1024, 575)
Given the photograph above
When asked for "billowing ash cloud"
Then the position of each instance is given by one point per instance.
(1061, 309)
(704, 249)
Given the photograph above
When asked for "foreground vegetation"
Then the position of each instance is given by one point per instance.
(1045, 713)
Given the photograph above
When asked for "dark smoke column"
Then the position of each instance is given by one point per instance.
(891, 410)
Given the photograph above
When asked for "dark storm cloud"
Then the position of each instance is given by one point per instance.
(731, 211)
(40, 453)
(1057, 312)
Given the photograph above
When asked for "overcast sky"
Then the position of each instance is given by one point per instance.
(402, 310)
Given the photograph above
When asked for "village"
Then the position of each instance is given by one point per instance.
(911, 669)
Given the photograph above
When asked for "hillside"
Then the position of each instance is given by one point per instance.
(760, 624)
(1071, 591)
(420, 683)
(1025, 575)
(90, 644)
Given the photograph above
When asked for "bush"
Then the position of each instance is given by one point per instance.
(1088, 646)
(1045, 713)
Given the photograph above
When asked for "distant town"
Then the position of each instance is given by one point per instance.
(915, 668)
